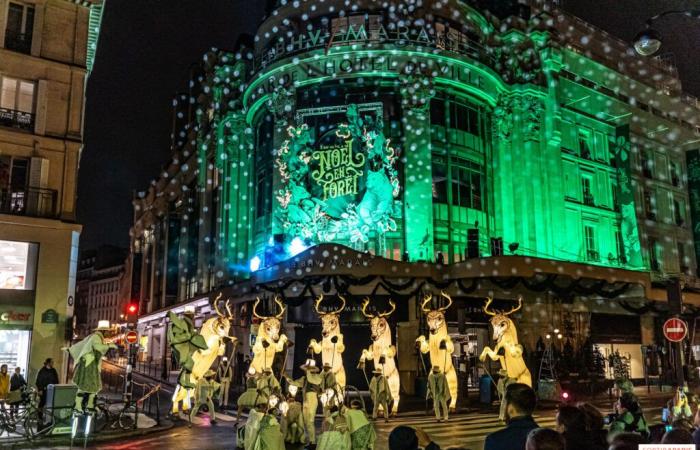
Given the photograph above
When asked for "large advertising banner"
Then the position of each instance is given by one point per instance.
(692, 158)
(628, 227)
(339, 175)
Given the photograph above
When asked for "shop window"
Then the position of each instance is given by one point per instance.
(18, 268)
(20, 26)
(590, 242)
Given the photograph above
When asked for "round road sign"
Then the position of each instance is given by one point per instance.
(131, 337)
(675, 330)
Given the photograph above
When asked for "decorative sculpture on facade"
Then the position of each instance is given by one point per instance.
(331, 346)
(381, 351)
(270, 340)
(439, 344)
(213, 333)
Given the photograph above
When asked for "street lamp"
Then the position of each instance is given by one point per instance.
(648, 41)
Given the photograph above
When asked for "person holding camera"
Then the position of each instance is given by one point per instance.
(628, 417)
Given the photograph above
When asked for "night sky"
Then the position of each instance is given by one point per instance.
(147, 47)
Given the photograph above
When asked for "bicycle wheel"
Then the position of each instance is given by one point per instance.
(102, 418)
(127, 418)
(33, 425)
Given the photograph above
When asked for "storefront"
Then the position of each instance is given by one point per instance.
(15, 336)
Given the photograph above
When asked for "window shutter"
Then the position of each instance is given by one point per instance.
(39, 172)
(40, 111)
(37, 202)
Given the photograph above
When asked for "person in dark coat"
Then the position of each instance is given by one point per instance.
(17, 383)
(47, 375)
(571, 423)
(520, 402)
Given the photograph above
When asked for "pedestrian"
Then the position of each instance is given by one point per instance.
(224, 373)
(205, 390)
(47, 376)
(311, 388)
(410, 438)
(4, 384)
(520, 402)
(594, 424)
(249, 398)
(17, 385)
(677, 436)
(571, 423)
(439, 391)
(380, 394)
(626, 441)
(629, 417)
(545, 439)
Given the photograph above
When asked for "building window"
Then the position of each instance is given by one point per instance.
(587, 193)
(615, 196)
(16, 103)
(682, 264)
(464, 118)
(466, 184)
(675, 177)
(678, 213)
(20, 25)
(439, 180)
(591, 248)
(437, 112)
(647, 165)
(620, 243)
(654, 254)
(649, 205)
(584, 143)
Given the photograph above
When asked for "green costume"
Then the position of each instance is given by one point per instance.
(247, 435)
(362, 434)
(293, 424)
(184, 341)
(88, 356)
(439, 391)
(381, 395)
(335, 435)
(225, 374)
(249, 398)
(267, 385)
(311, 387)
(328, 383)
(269, 435)
(205, 391)
(629, 423)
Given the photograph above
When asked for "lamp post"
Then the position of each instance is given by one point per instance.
(648, 41)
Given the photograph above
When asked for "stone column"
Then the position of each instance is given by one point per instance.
(416, 93)
(282, 104)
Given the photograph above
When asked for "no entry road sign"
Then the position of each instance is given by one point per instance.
(675, 330)
(131, 337)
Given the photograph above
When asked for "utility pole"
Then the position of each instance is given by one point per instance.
(674, 293)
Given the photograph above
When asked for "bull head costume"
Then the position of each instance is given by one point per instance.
(381, 351)
(331, 346)
(440, 355)
(270, 340)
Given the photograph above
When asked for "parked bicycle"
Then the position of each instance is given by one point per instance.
(28, 421)
(113, 415)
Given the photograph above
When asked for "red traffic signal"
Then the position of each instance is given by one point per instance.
(132, 308)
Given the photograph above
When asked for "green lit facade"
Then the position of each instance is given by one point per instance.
(387, 152)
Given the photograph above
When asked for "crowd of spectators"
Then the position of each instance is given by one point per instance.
(578, 427)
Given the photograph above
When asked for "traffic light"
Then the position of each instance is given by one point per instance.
(132, 309)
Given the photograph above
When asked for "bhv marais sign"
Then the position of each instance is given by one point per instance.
(355, 30)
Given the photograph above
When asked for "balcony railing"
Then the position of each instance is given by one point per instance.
(16, 119)
(18, 42)
(28, 201)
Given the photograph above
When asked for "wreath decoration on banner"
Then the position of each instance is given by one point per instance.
(305, 215)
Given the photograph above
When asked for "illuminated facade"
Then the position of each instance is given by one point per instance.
(454, 143)
(46, 53)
